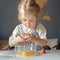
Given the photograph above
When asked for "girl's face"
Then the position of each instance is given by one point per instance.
(29, 21)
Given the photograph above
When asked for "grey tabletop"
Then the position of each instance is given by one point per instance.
(11, 55)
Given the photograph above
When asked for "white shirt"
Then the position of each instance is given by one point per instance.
(40, 31)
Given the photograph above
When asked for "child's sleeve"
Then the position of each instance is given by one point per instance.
(41, 31)
(15, 33)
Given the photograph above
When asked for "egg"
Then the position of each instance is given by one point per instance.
(26, 53)
(42, 51)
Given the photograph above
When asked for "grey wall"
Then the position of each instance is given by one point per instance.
(8, 18)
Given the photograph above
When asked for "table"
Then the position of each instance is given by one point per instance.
(50, 55)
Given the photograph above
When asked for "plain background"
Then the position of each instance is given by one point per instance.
(9, 20)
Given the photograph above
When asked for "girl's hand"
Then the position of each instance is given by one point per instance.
(31, 38)
(26, 37)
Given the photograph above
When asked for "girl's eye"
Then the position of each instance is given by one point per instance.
(25, 20)
(31, 20)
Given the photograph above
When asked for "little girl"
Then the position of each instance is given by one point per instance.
(29, 30)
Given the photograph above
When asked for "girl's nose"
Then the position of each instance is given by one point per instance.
(28, 24)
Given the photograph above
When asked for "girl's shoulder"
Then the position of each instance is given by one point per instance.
(40, 25)
(19, 25)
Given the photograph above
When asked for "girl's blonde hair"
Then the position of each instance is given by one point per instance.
(27, 6)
